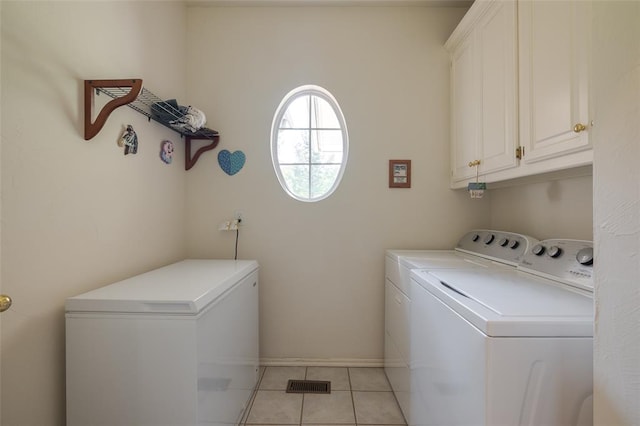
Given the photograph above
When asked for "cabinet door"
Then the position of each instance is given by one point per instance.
(553, 77)
(484, 91)
(497, 55)
(464, 109)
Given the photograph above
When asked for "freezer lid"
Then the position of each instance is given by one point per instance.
(184, 287)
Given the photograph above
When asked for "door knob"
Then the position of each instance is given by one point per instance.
(579, 128)
(5, 302)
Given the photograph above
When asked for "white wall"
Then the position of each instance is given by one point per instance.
(559, 208)
(322, 263)
(78, 214)
(616, 63)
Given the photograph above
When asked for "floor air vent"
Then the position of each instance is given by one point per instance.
(308, 386)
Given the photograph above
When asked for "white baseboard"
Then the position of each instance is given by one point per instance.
(320, 362)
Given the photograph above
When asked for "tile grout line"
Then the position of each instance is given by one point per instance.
(395, 399)
(353, 402)
(306, 369)
(245, 416)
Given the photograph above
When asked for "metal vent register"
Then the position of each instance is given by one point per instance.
(308, 386)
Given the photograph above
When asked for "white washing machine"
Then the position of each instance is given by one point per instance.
(484, 249)
(505, 347)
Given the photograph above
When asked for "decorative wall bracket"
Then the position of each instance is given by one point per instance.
(189, 159)
(92, 129)
(130, 92)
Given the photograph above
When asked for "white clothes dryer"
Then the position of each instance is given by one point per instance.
(505, 347)
(483, 249)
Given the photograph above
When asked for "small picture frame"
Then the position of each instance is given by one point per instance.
(399, 173)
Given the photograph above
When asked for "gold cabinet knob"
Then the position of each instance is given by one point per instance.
(579, 128)
(474, 163)
(5, 302)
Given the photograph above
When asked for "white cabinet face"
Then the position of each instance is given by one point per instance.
(498, 55)
(520, 90)
(553, 78)
(464, 112)
(484, 93)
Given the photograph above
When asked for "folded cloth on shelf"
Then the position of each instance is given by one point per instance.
(167, 111)
(192, 120)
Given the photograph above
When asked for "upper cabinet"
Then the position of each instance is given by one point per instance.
(519, 90)
(554, 104)
(484, 90)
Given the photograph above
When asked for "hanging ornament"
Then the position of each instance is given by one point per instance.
(231, 162)
(476, 189)
(166, 151)
(129, 140)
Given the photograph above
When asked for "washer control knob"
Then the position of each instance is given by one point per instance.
(538, 250)
(475, 237)
(554, 251)
(503, 242)
(513, 244)
(585, 256)
(489, 239)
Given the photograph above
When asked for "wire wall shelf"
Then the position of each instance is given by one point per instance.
(130, 92)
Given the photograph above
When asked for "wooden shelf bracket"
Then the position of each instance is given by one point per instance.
(189, 159)
(93, 128)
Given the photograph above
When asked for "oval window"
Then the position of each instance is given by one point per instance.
(309, 143)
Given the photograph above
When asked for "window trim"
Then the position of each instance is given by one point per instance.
(294, 94)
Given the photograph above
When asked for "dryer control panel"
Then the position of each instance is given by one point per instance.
(569, 261)
(504, 247)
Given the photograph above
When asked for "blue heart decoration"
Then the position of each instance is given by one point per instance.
(231, 162)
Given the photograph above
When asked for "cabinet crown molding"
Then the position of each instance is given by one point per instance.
(468, 22)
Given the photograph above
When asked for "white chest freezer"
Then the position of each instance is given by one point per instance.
(174, 346)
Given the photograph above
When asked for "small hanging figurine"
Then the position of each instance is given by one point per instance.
(166, 151)
(129, 140)
(476, 189)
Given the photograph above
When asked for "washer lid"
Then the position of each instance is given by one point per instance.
(185, 287)
(512, 303)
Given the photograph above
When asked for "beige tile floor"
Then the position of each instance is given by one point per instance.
(359, 396)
